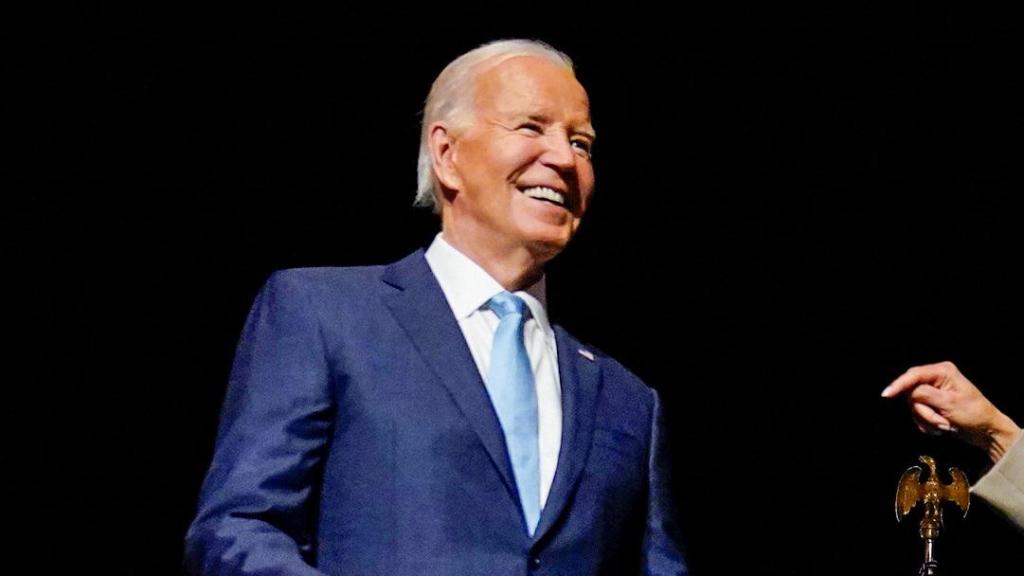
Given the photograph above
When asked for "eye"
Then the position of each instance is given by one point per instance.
(582, 145)
(532, 128)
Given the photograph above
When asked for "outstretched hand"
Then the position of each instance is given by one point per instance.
(944, 400)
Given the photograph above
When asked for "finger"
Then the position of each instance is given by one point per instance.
(924, 413)
(906, 381)
(915, 376)
(934, 398)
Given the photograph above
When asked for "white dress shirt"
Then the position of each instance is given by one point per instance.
(468, 288)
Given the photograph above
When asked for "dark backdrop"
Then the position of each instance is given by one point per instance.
(793, 205)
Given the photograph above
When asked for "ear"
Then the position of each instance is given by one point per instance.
(441, 141)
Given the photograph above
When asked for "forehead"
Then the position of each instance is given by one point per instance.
(530, 85)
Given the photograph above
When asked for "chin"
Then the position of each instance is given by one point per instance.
(547, 248)
(546, 241)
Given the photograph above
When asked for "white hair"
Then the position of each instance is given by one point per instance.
(451, 97)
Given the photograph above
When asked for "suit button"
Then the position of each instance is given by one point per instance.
(534, 562)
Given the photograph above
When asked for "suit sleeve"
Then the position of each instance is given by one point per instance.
(257, 508)
(1003, 485)
(662, 548)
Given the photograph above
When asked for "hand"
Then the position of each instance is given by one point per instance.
(943, 400)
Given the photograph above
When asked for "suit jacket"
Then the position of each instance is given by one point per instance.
(357, 438)
(1003, 485)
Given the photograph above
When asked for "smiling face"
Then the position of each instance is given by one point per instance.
(518, 177)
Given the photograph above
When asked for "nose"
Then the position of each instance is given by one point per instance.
(558, 153)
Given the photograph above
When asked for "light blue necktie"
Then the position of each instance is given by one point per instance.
(510, 385)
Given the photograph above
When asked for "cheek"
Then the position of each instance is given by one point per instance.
(504, 164)
(521, 156)
(482, 159)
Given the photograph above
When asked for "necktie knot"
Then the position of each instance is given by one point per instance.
(505, 303)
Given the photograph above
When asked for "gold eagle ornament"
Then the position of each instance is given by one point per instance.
(930, 493)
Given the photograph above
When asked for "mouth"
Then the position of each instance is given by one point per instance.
(546, 194)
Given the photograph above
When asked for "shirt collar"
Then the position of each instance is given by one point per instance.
(468, 287)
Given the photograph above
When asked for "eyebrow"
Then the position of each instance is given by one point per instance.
(587, 130)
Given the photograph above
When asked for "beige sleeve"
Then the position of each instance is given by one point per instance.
(1003, 485)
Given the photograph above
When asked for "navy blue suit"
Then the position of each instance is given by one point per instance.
(357, 438)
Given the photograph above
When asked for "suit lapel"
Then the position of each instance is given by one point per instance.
(421, 309)
(580, 379)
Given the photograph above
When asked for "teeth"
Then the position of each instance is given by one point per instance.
(545, 193)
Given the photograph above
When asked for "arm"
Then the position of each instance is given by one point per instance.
(255, 514)
(943, 400)
(662, 553)
(1003, 485)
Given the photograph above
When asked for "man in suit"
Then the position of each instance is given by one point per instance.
(944, 401)
(424, 417)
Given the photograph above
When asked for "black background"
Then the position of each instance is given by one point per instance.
(794, 204)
